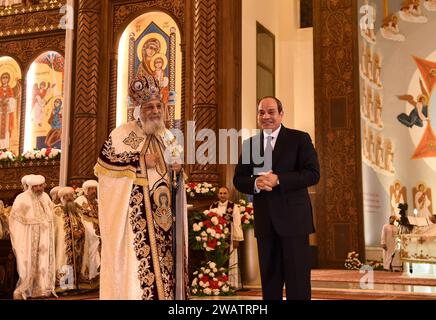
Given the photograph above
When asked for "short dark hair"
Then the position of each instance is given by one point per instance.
(278, 102)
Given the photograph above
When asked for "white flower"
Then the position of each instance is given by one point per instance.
(192, 194)
(205, 246)
(214, 220)
(211, 274)
(218, 243)
(214, 269)
(201, 283)
(207, 271)
(226, 230)
(209, 230)
(203, 234)
(196, 227)
(194, 282)
(220, 283)
(207, 291)
(212, 232)
(212, 265)
(194, 291)
(213, 189)
(198, 239)
(216, 292)
(195, 273)
(218, 236)
(200, 224)
(246, 222)
(226, 289)
(242, 209)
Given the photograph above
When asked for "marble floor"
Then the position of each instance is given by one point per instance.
(386, 286)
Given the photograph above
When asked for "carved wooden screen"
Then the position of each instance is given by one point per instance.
(28, 29)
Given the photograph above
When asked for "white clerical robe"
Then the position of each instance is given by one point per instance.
(32, 237)
(389, 238)
(69, 249)
(136, 254)
(236, 235)
(91, 253)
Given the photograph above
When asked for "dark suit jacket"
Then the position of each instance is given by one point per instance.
(286, 210)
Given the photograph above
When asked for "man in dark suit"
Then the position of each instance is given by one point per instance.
(282, 208)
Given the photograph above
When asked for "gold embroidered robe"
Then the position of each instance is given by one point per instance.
(136, 219)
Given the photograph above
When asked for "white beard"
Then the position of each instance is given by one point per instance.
(152, 126)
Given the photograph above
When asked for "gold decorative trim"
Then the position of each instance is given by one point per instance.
(113, 171)
(29, 9)
(141, 182)
(150, 224)
(30, 30)
(133, 140)
(411, 260)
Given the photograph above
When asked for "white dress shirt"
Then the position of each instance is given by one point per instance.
(274, 136)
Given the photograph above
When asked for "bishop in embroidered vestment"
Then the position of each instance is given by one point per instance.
(135, 206)
(69, 241)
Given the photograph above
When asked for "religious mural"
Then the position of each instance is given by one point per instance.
(10, 104)
(397, 80)
(45, 82)
(150, 45)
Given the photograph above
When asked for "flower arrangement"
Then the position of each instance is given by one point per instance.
(203, 189)
(209, 231)
(210, 280)
(247, 214)
(43, 154)
(352, 262)
(7, 156)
